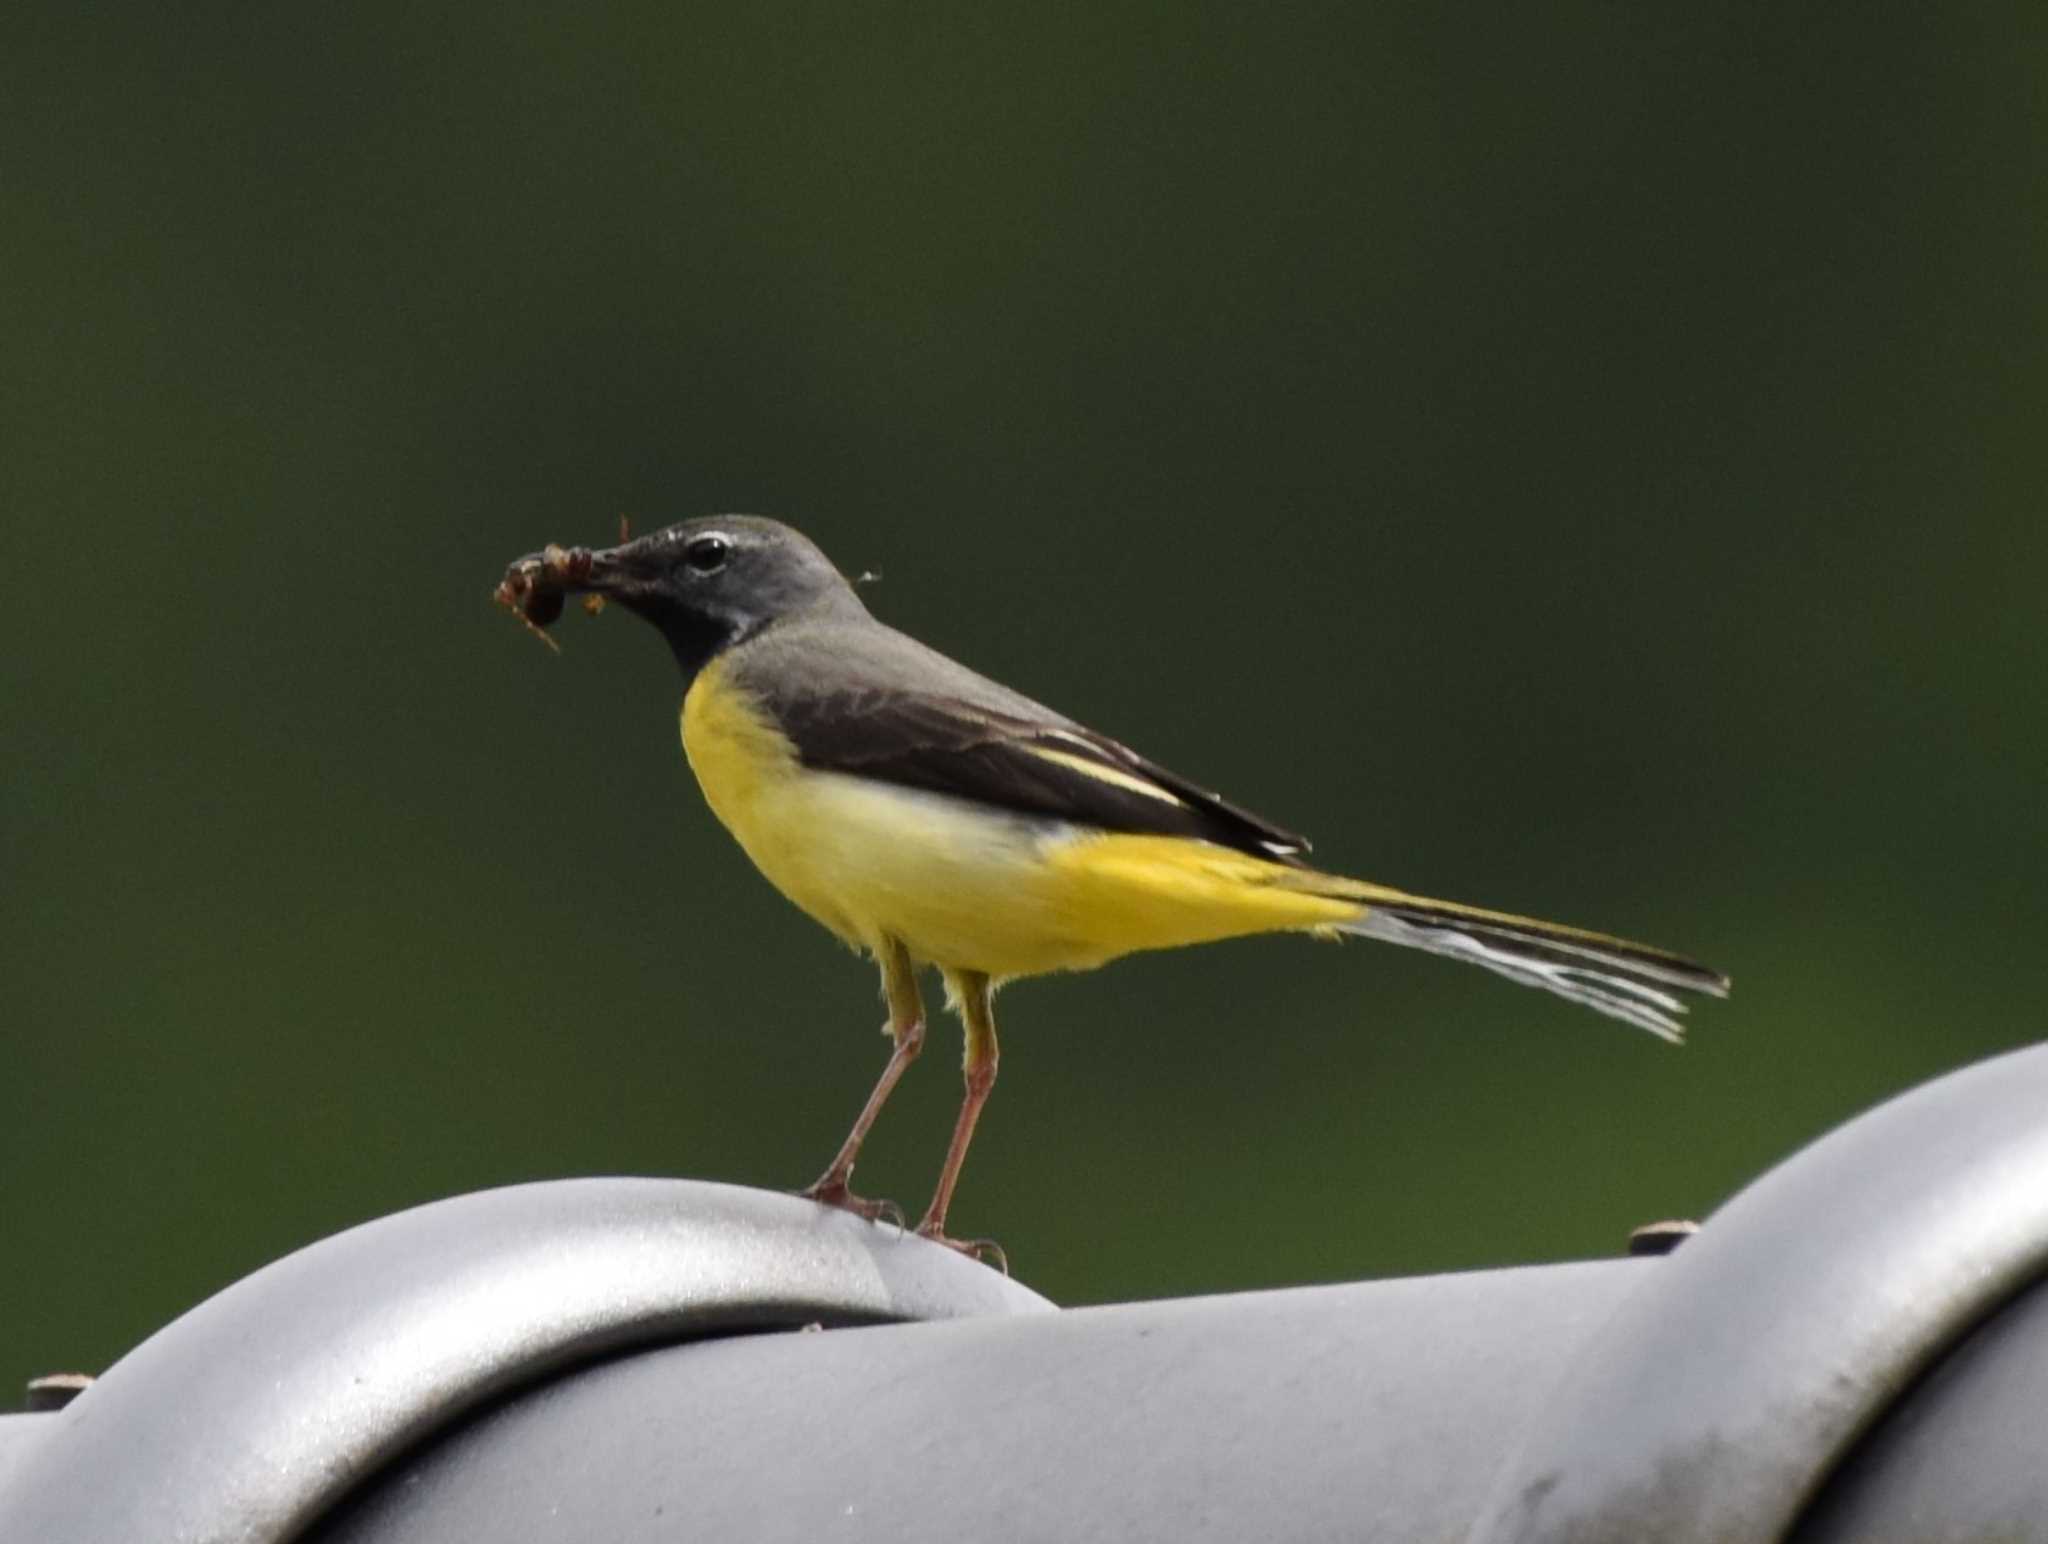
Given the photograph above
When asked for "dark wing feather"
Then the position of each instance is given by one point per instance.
(862, 698)
(1016, 763)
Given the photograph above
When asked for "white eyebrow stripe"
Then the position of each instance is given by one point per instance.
(1104, 774)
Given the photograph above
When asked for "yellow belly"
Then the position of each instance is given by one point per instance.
(961, 884)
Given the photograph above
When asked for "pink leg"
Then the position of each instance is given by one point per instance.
(906, 1025)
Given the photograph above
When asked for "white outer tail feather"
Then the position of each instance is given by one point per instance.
(1607, 984)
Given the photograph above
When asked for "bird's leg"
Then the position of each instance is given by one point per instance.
(906, 1027)
(974, 995)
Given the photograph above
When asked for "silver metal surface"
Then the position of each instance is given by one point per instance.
(18, 1434)
(1732, 1382)
(1372, 1412)
(247, 1418)
(1854, 1347)
(1959, 1459)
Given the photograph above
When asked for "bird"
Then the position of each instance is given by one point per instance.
(931, 817)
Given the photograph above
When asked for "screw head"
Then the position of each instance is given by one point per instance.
(1660, 1238)
(54, 1390)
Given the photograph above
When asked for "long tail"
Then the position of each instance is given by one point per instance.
(1633, 982)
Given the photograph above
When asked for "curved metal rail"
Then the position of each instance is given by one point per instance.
(1723, 1392)
(245, 1419)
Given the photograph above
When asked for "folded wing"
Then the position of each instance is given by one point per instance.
(1044, 767)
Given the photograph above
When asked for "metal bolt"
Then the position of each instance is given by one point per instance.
(1656, 1238)
(55, 1390)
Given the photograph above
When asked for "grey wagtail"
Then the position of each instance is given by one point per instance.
(928, 816)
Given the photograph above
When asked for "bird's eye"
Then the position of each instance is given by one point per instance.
(707, 554)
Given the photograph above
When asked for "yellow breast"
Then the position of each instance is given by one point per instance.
(751, 779)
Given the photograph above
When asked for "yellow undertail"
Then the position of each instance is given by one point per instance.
(1156, 892)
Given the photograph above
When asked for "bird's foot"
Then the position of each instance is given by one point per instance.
(831, 1190)
(986, 1251)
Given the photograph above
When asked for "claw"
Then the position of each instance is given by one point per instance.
(832, 1191)
(984, 1251)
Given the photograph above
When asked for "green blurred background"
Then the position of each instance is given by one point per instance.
(1582, 459)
